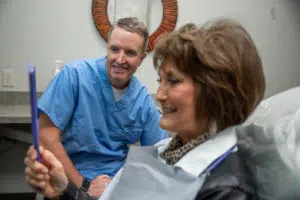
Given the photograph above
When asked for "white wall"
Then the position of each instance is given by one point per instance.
(40, 31)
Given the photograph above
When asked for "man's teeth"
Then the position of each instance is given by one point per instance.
(119, 67)
(169, 110)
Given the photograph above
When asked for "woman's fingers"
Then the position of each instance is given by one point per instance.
(35, 166)
(31, 153)
(52, 161)
(38, 176)
(31, 161)
(35, 183)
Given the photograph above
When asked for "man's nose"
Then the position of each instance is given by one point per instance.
(121, 58)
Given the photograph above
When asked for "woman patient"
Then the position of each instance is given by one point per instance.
(210, 80)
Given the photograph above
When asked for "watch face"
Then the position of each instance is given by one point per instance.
(85, 184)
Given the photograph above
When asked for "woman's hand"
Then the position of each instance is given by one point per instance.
(47, 177)
(98, 185)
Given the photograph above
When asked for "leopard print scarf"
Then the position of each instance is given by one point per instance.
(176, 150)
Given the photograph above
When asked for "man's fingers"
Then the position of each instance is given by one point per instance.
(106, 176)
(103, 177)
(107, 181)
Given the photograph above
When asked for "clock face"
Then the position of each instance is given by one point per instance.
(106, 12)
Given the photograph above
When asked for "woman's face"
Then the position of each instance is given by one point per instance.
(177, 95)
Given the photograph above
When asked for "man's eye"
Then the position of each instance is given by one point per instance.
(131, 53)
(114, 49)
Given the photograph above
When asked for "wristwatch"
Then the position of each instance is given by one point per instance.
(85, 185)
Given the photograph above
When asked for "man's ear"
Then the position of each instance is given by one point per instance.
(144, 55)
(142, 58)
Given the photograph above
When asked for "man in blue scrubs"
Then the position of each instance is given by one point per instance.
(93, 109)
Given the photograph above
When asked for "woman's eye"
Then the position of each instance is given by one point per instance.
(173, 81)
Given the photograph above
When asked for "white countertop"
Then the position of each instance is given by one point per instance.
(14, 114)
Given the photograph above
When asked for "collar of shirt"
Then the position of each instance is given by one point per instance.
(198, 159)
(119, 94)
(132, 89)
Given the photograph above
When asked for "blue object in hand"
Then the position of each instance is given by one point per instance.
(34, 111)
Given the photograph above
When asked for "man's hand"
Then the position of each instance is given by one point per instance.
(98, 185)
(47, 177)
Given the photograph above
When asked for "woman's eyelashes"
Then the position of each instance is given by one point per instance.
(169, 80)
(173, 81)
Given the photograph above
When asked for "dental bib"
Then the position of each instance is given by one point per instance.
(145, 177)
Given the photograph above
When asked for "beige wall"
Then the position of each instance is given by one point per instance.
(40, 31)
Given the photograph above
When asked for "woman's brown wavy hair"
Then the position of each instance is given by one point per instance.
(223, 61)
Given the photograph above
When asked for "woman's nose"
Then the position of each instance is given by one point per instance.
(160, 94)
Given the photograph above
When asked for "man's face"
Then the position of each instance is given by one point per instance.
(124, 56)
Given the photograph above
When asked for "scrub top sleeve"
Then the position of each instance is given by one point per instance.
(152, 133)
(59, 99)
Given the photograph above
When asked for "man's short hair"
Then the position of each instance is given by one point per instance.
(133, 25)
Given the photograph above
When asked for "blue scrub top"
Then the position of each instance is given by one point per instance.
(96, 130)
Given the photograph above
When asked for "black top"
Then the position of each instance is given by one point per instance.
(229, 180)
